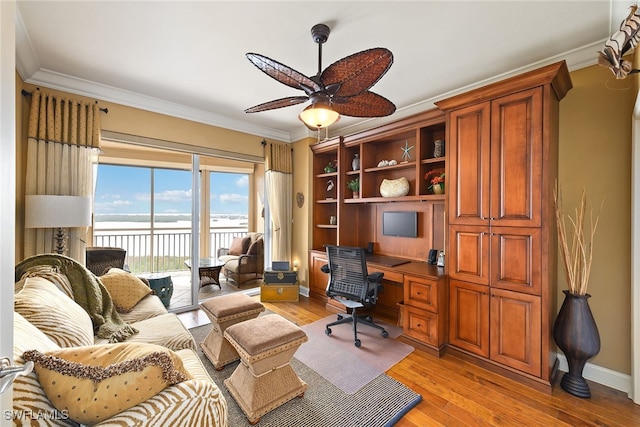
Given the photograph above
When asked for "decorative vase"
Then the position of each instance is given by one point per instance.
(438, 148)
(394, 187)
(356, 194)
(576, 334)
(355, 163)
(437, 188)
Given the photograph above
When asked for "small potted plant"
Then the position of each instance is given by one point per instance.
(354, 185)
(436, 181)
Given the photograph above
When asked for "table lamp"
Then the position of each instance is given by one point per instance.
(47, 211)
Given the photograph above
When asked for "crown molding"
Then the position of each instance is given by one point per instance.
(28, 66)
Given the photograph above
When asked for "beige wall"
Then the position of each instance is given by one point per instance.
(595, 154)
(302, 161)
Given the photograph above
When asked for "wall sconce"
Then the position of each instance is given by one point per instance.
(295, 264)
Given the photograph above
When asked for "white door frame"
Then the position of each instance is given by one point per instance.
(8, 187)
(635, 254)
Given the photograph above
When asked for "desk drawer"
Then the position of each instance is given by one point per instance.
(422, 325)
(423, 293)
(390, 275)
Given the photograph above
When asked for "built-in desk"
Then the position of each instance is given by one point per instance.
(414, 295)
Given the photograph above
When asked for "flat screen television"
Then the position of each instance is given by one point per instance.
(400, 223)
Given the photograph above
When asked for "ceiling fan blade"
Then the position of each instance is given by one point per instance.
(284, 74)
(358, 72)
(278, 103)
(367, 104)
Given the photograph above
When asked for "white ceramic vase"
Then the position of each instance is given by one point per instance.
(394, 187)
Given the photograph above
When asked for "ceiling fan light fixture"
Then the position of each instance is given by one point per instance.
(318, 116)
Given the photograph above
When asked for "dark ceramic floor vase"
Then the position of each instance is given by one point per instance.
(576, 334)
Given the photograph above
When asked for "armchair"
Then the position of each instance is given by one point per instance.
(244, 259)
(100, 259)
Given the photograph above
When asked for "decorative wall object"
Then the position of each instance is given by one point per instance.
(300, 199)
(394, 187)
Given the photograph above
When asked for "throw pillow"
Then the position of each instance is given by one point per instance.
(126, 289)
(93, 383)
(239, 245)
(52, 274)
(45, 306)
(256, 247)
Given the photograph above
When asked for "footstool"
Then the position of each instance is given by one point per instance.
(264, 379)
(224, 311)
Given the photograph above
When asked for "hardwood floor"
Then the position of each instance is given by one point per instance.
(457, 393)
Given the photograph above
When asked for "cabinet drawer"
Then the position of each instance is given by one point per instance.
(423, 326)
(421, 293)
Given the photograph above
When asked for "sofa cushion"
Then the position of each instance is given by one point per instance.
(93, 383)
(166, 330)
(28, 395)
(126, 289)
(148, 307)
(256, 248)
(239, 245)
(46, 307)
(49, 272)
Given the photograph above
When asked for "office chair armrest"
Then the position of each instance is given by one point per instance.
(325, 269)
(375, 277)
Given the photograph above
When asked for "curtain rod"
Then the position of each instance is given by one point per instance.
(27, 93)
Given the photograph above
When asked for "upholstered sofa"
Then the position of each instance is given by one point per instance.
(128, 362)
(244, 258)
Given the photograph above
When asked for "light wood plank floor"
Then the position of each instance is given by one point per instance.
(457, 393)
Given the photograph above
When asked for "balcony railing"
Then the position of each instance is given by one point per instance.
(157, 250)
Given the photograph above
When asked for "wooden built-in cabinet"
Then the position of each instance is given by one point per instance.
(495, 222)
(502, 167)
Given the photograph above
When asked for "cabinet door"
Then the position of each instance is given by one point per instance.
(516, 159)
(516, 330)
(468, 257)
(317, 279)
(515, 259)
(469, 160)
(469, 317)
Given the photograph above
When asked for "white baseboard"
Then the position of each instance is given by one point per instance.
(600, 375)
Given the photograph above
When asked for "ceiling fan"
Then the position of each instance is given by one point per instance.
(342, 88)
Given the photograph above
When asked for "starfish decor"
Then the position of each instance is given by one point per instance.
(406, 156)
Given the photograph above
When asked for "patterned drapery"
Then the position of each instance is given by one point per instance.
(63, 142)
(279, 183)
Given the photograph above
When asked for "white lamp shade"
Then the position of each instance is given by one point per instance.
(319, 116)
(43, 211)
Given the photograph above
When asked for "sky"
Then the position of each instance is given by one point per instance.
(127, 190)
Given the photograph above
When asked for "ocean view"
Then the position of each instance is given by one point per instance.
(171, 244)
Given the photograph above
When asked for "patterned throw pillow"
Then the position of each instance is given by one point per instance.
(52, 274)
(126, 289)
(42, 304)
(28, 395)
(93, 383)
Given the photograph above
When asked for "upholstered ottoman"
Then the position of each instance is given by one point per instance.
(264, 379)
(224, 311)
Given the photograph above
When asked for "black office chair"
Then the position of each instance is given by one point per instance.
(352, 286)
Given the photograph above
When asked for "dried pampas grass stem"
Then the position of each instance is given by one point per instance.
(576, 247)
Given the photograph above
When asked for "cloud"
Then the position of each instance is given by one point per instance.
(174, 196)
(242, 181)
(233, 198)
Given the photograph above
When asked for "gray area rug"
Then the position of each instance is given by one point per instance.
(338, 360)
(381, 402)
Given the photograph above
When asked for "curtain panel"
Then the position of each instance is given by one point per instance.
(63, 143)
(279, 183)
